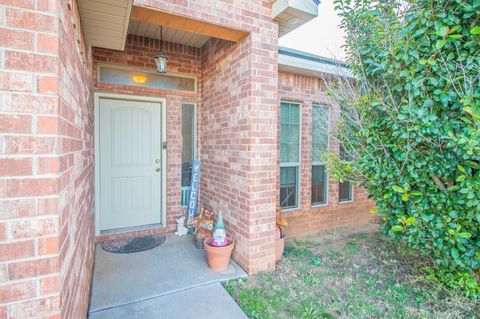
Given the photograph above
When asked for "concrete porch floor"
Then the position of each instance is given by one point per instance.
(158, 282)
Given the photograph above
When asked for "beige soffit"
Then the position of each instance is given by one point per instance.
(185, 24)
(150, 30)
(290, 14)
(105, 22)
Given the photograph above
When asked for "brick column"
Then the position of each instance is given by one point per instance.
(238, 144)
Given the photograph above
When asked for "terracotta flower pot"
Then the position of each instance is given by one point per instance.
(218, 257)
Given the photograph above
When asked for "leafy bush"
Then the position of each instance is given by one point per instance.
(410, 124)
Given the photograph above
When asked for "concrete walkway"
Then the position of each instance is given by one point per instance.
(159, 282)
(204, 302)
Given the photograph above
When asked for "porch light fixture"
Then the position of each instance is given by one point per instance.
(161, 58)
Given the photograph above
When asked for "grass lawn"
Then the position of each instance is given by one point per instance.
(344, 274)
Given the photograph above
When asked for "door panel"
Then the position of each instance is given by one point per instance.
(130, 163)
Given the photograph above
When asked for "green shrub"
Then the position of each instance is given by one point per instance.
(410, 124)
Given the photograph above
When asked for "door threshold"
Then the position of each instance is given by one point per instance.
(129, 229)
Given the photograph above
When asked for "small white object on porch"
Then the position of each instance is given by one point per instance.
(181, 229)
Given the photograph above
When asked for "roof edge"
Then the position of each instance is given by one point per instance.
(311, 57)
(295, 61)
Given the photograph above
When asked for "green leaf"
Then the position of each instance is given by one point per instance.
(454, 36)
(475, 30)
(461, 169)
(453, 188)
(464, 235)
(454, 253)
(461, 178)
(416, 193)
(443, 31)
(440, 44)
(405, 197)
(398, 189)
(397, 228)
(372, 211)
(410, 220)
(428, 218)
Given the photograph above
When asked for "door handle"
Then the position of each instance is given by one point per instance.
(158, 170)
(157, 160)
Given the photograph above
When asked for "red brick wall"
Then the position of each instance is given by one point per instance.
(45, 143)
(238, 140)
(140, 52)
(307, 219)
(74, 126)
(29, 221)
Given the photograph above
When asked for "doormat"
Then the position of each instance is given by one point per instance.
(133, 245)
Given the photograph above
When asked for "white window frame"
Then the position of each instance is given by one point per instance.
(315, 163)
(194, 132)
(298, 164)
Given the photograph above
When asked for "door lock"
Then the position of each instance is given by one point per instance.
(157, 160)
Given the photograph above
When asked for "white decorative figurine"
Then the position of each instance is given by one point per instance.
(181, 229)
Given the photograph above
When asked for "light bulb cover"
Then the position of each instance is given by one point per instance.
(139, 78)
(161, 61)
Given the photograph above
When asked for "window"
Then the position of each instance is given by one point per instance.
(129, 76)
(289, 154)
(345, 192)
(320, 145)
(319, 185)
(345, 188)
(344, 154)
(188, 148)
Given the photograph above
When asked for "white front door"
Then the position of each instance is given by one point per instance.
(130, 163)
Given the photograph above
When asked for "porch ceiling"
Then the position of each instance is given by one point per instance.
(169, 34)
(185, 25)
(105, 22)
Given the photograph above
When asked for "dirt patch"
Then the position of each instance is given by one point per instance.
(347, 274)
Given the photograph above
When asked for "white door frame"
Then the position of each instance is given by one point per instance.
(163, 105)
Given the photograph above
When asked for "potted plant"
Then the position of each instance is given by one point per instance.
(218, 247)
(280, 233)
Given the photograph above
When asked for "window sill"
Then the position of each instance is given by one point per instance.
(319, 205)
(291, 210)
(345, 202)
